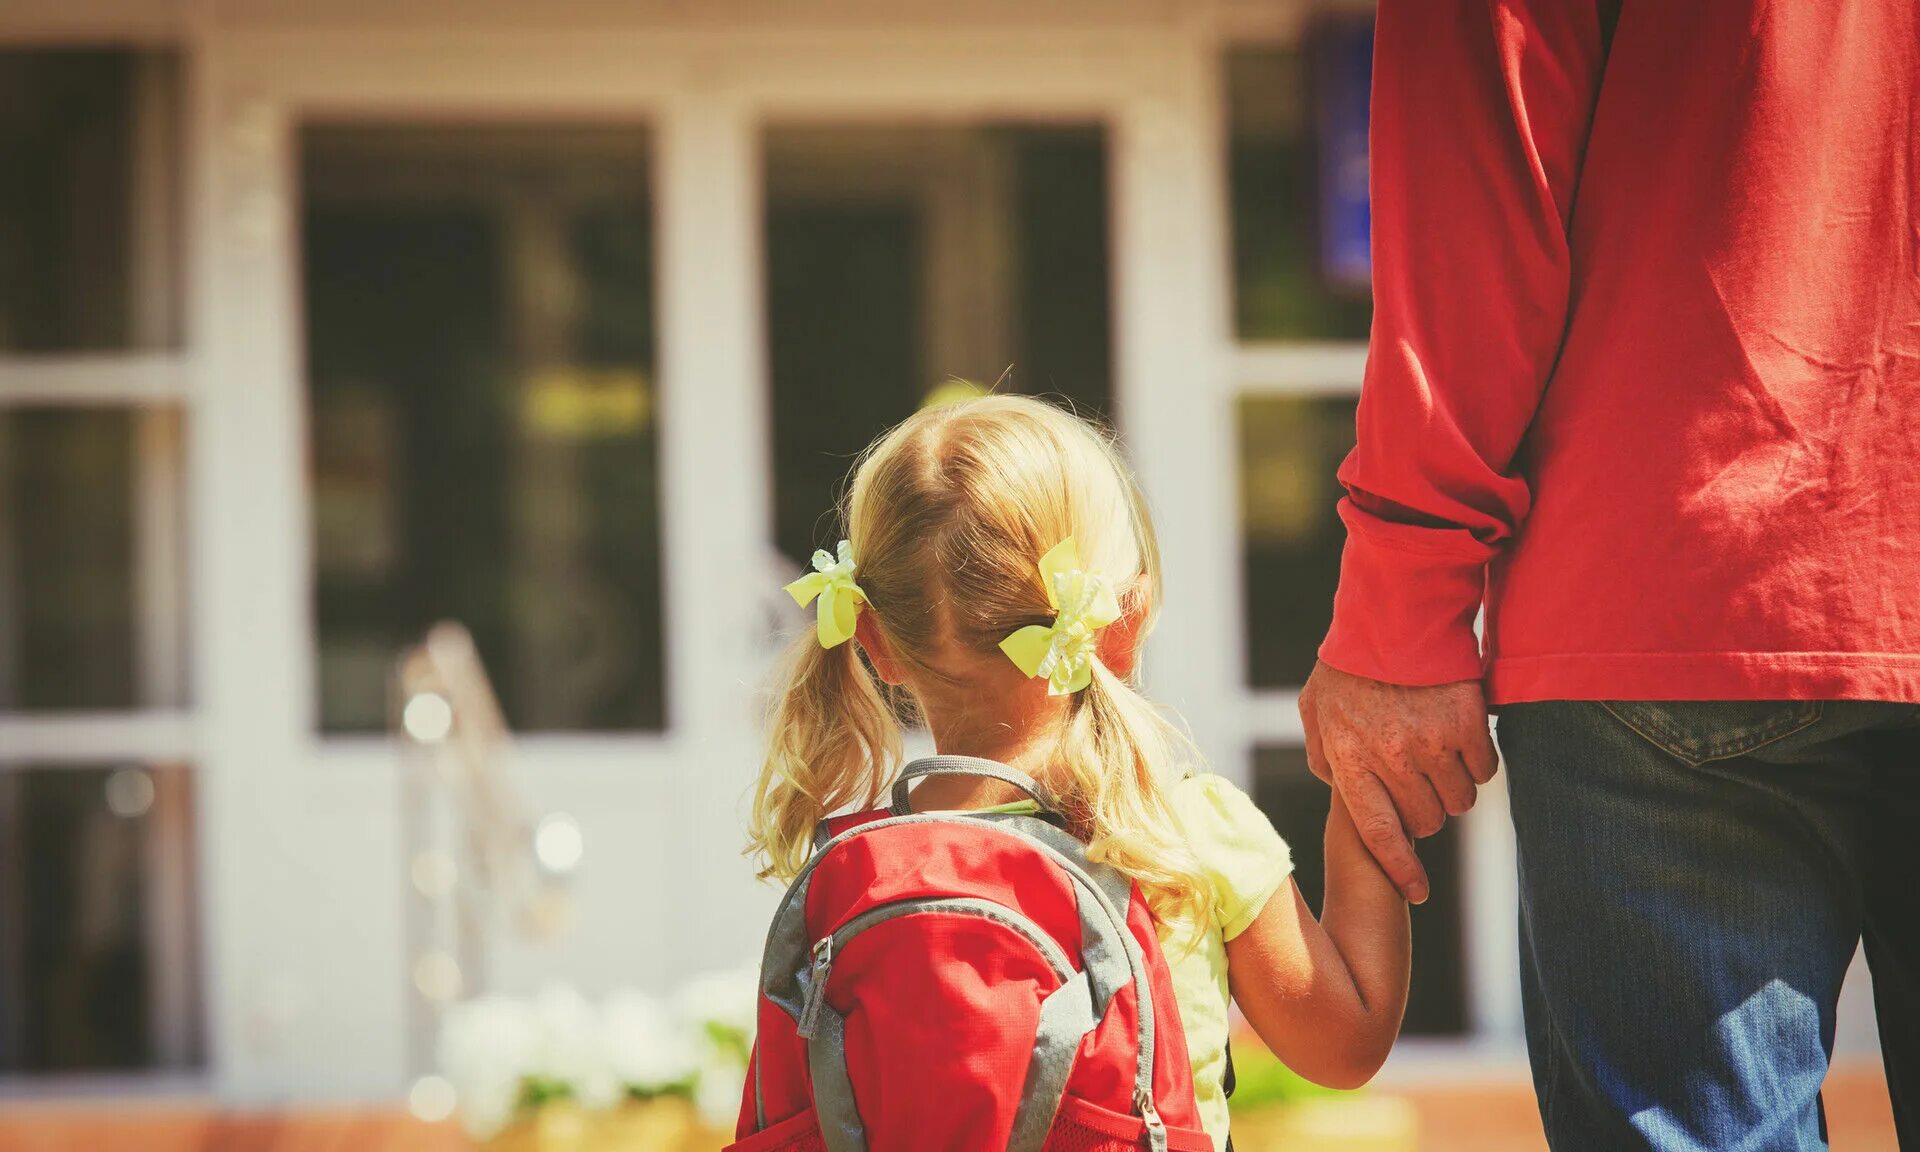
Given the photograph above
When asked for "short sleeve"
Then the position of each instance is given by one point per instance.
(1239, 850)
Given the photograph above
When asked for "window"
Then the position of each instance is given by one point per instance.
(99, 968)
(89, 197)
(480, 330)
(1290, 449)
(96, 889)
(902, 260)
(1297, 132)
(1287, 792)
(1297, 154)
(66, 501)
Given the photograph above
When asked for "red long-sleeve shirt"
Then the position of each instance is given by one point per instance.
(1645, 368)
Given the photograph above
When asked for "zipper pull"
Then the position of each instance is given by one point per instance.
(1156, 1131)
(816, 987)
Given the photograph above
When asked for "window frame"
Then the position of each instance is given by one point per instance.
(1335, 369)
(156, 388)
(395, 187)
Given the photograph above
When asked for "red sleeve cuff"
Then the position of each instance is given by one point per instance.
(1404, 615)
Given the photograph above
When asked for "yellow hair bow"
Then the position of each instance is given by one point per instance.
(840, 598)
(1062, 653)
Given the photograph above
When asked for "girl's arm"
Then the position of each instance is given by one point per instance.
(1327, 996)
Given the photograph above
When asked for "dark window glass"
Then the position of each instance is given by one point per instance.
(480, 343)
(844, 293)
(1297, 804)
(89, 201)
(905, 265)
(1296, 219)
(90, 577)
(1065, 347)
(1290, 452)
(97, 921)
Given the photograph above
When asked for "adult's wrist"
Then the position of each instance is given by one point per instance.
(1405, 616)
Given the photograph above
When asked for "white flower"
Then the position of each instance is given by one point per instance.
(568, 1049)
(721, 1087)
(486, 1047)
(493, 1048)
(723, 1007)
(728, 1000)
(646, 1048)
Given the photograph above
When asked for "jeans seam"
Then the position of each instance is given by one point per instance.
(1717, 751)
(1550, 1081)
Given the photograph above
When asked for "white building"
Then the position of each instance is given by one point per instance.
(321, 320)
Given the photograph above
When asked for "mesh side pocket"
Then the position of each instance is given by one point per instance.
(1084, 1127)
(1068, 1136)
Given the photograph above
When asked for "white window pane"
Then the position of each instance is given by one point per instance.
(1290, 450)
(91, 615)
(89, 199)
(479, 307)
(98, 921)
(1286, 285)
(900, 259)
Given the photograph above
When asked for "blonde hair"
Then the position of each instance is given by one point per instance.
(949, 514)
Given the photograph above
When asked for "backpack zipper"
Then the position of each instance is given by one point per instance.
(821, 967)
(828, 946)
(1156, 1130)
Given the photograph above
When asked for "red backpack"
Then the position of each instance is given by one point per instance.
(964, 981)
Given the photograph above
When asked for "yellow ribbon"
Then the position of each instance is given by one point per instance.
(840, 598)
(1062, 653)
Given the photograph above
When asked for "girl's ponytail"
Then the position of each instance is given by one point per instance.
(833, 743)
(1120, 758)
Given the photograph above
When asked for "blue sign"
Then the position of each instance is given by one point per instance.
(1343, 83)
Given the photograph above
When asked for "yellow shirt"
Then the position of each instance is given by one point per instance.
(1247, 862)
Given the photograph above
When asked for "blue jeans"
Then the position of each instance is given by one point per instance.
(1694, 878)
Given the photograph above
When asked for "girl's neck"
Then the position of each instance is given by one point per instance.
(1028, 746)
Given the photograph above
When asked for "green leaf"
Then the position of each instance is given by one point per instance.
(1261, 1080)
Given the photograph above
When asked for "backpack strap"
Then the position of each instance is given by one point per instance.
(832, 826)
(965, 766)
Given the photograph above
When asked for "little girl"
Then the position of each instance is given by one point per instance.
(959, 519)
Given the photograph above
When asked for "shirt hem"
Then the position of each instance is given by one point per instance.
(1893, 677)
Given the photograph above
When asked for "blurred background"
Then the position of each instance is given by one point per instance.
(322, 321)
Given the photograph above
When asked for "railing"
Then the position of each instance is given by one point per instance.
(478, 866)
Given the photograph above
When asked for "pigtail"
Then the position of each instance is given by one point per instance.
(833, 744)
(1120, 758)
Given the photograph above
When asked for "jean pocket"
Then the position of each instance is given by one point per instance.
(1699, 731)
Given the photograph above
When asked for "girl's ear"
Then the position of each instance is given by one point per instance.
(879, 652)
(1119, 642)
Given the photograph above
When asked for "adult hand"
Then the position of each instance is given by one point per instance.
(1403, 758)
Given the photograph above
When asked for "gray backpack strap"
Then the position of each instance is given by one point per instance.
(965, 766)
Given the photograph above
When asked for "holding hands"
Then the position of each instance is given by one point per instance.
(1403, 758)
